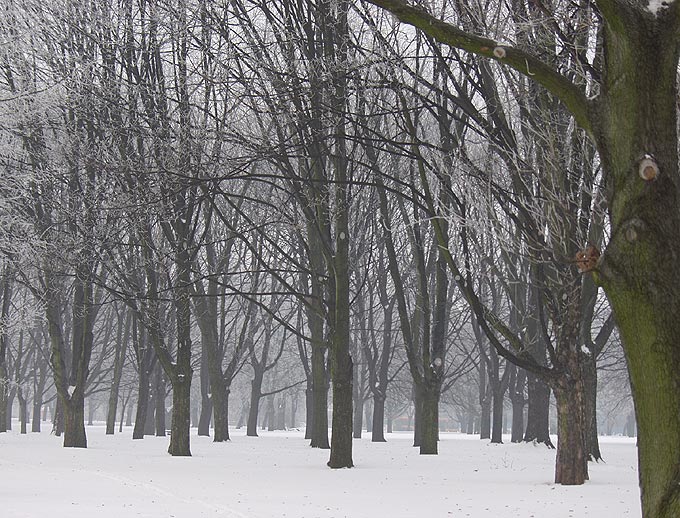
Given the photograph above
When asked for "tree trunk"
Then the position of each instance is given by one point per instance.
(37, 407)
(159, 401)
(206, 399)
(417, 416)
(309, 409)
(590, 399)
(377, 434)
(517, 398)
(58, 418)
(497, 429)
(538, 413)
(320, 393)
(181, 416)
(142, 404)
(485, 418)
(74, 422)
(122, 336)
(221, 415)
(571, 467)
(150, 422)
(429, 420)
(255, 395)
(23, 411)
(358, 420)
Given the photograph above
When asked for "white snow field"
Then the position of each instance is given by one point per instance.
(278, 475)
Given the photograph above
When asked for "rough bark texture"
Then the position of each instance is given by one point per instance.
(571, 467)
(640, 270)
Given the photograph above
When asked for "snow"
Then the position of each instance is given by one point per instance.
(655, 6)
(278, 475)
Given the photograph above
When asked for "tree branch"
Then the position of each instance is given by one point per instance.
(571, 95)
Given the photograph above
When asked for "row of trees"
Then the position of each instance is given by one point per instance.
(251, 175)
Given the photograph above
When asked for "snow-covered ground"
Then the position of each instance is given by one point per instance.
(278, 476)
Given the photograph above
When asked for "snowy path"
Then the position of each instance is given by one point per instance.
(278, 476)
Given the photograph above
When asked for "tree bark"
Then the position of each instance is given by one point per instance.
(429, 420)
(143, 391)
(590, 407)
(497, 428)
(74, 421)
(538, 412)
(181, 415)
(378, 425)
(122, 336)
(255, 396)
(571, 467)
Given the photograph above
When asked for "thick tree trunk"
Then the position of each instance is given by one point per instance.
(571, 467)
(429, 420)
(341, 361)
(181, 416)
(377, 434)
(221, 415)
(538, 412)
(74, 422)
